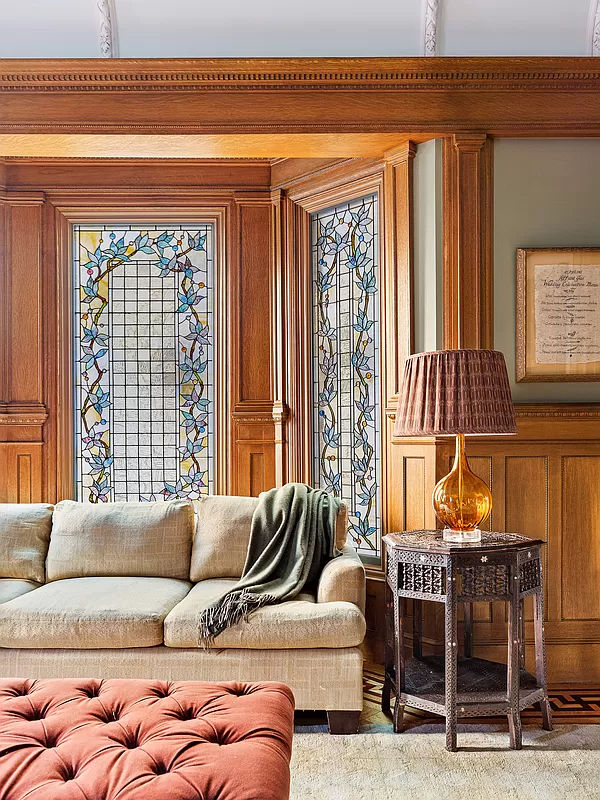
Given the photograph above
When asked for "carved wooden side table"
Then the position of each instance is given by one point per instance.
(501, 567)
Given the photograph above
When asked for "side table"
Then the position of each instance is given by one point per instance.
(501, 567)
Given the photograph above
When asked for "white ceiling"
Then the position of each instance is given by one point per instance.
(199, 28)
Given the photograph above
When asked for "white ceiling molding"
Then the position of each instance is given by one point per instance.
(109, 43)
(430, 26)
(593, 30)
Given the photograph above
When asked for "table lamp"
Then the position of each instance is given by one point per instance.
(457, 393)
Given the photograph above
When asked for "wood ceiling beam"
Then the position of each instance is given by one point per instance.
(166, 146)
(497, 96)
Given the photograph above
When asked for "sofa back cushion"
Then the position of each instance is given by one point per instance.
(24, 536)
(222, 535)
(121, 539)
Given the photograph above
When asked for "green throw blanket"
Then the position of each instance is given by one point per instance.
(292, 536)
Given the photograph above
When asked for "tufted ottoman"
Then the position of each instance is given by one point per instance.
(144, 740)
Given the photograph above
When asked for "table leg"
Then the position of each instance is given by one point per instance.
(468, 609)
(451, 648)
(540, 657)
(522, 621)
(418, 629)
(399, 616)
(389, 651)
(514, 664)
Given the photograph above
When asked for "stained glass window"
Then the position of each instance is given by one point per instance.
(345, 279)
(144, 388)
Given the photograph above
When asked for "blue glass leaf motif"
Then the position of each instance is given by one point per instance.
(367, 493)
(331, 438)
(198, 332)
(338, 244)
(327, 394)
(328, 365)
(197, 242)
(333, 482)
(362, 322)
(357, 260)
(327, 330)
(360, 360)
(368, 282)
(187, 300)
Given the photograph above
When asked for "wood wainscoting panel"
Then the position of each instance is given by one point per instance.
(254, 443)
(526, 488)
(416, 499)
(21, 472)
(580, 585)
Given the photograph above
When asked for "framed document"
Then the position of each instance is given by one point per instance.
(558, 314)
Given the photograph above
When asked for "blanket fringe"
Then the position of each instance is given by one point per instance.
(234, 607)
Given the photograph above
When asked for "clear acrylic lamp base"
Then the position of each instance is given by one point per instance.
(461, 536)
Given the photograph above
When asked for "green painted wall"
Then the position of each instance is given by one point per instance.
(546, 194)
(428, 247)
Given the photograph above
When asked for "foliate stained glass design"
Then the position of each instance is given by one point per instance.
(144, 352)
(345, 281)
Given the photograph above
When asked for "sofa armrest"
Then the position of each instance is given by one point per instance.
(343, 579)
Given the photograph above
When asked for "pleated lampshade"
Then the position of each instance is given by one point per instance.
(455, 391)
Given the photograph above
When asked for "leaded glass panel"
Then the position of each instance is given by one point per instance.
(144, 376)
(345, 280)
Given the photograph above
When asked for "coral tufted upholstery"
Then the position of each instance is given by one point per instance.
(144, 740)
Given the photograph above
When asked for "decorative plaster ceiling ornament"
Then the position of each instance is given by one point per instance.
(109, 47)
(432, 10)
(594, 28)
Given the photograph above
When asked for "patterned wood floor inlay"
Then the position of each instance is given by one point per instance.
(569, 705)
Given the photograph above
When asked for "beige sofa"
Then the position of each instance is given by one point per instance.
(112, 590)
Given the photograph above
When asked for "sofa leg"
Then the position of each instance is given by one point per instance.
(343, 721)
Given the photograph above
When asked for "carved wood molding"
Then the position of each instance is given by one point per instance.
(16, 198)
(494, 74)
(20, 414)
(264, 412)
(324, 186)
(575, 411)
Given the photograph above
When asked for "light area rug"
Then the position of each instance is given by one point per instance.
(376, 764)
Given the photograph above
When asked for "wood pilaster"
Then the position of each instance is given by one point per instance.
(22, 409)
(468, 250)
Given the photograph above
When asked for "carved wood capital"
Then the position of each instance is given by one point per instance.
(469, 142)
(401, 154)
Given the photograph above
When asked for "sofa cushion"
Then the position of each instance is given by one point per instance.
(91, 613)
(121, 539)
(298, 623)
(24, 536)
(12, 587)
(222, 535)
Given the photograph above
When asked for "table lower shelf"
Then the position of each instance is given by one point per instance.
(481, 686)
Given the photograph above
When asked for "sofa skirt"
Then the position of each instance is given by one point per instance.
(321, 679)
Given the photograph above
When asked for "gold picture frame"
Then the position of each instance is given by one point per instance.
(558, 314)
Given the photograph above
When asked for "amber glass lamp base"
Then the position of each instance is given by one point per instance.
(461, 500)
